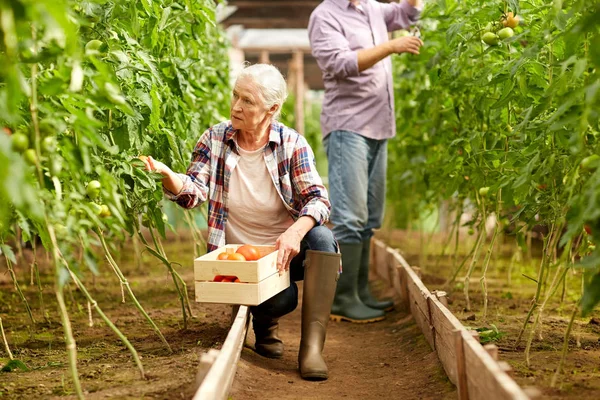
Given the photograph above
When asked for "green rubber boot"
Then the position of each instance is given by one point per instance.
(347, 305)
(363, 282)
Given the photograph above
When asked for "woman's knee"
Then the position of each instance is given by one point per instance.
(279, 305)
(320, 238)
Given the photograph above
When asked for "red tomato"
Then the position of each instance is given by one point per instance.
(218, 278)
(249, 252)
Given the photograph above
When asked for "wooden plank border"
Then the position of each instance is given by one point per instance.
(217, 381)
(468, 365)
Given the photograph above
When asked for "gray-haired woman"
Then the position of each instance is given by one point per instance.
(262, 186)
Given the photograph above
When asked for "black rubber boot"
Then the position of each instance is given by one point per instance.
(268, 344)
(363, 282)
(347, 305)
(320, 276)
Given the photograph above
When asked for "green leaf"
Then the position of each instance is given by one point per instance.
(15, 364)
(591, 295)
(8, 253)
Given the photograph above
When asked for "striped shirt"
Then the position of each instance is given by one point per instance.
(291, 165)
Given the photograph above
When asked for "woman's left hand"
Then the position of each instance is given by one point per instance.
(288, 245)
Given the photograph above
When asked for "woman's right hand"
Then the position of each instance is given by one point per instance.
(155, 166)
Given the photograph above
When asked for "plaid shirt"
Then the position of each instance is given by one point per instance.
(289, 159)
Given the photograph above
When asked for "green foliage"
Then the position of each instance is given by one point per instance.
(518, 117)
(94, 84)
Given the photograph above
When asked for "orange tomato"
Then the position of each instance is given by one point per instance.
(236, 257)
(222, 256)
(249, 252)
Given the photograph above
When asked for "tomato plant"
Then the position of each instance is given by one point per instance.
(88, 86)
(538, 75)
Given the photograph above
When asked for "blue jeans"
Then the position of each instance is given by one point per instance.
(318, 238)
(357, 173)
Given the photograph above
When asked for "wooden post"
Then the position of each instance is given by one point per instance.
(492, 350)
(417, 271)
(264, 57)
(442, 297)
(298, 60)
(461, 381)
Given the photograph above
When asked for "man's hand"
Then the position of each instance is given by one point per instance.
(415, 3)
(405, 44)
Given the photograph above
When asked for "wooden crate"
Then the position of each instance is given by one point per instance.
(260, 279)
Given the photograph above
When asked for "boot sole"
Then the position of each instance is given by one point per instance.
(340, 318)
(315, 377)
(266, 355)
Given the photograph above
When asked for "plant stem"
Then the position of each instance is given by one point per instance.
(486, 263)
(5, 341)
(548, 242)
(160, 255)
(125, 283)
(13, 276)
(108, 322)
(478, 243)
(565, 347)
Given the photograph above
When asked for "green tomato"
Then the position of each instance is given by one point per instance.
(49, 144)
(105, 211)
(93, 189)
(590, 163)
(490, 38)
(94, 46)
(165, 218)
(145, 221)
(28, 50)
(471, 232)
(505, 33)
(490, 27)
(20, 142)
(60, 230)
(30, 156)
(483, 191)
(96, 208)
(55, 165)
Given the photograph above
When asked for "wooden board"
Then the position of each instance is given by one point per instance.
(485, 379)
(418, 296)
(380, 259)
(216, 383)
(444, 325)
(207, 266)
(250, 294)
(399, 279)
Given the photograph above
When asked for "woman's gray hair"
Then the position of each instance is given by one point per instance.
(270, 82)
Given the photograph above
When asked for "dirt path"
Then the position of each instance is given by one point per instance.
(385, 360)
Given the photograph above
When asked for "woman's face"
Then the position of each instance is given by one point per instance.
(247, 107)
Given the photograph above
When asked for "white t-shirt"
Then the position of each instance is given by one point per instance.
(256, 214)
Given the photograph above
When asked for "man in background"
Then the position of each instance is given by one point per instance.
(350, 41)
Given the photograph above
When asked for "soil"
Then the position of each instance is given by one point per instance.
(105, 365)
(508, 306)
(384, 360)
(389, 359)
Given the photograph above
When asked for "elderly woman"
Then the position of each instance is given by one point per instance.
(262, 187)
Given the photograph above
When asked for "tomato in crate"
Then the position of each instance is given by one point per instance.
(217, 277)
